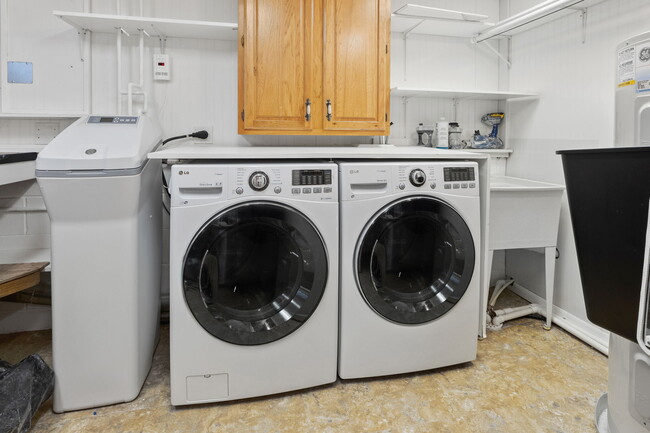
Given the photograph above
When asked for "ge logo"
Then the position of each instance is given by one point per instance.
(644, 55)
(181, 172)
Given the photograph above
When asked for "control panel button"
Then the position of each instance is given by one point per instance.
(295, 190)
(472, 185)
(401, 186)
(463, 185)
(456, 186)
(318, 190)
(327, 189)
(433, 185)
(417, 177)
(447, 186)
(239, 190)
(277, 190)
(258, 181)
(306, 190)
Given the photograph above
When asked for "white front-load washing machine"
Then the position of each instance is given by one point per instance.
(254, 279)
(409, 290)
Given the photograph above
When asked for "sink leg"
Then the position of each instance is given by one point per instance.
(549, 258)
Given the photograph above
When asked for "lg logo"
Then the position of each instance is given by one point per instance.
(181, 172)
(354, 171)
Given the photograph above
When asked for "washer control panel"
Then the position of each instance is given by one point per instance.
(193, 184)
(360, 180)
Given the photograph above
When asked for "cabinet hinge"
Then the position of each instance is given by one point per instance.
(242, 115)
(242, 41)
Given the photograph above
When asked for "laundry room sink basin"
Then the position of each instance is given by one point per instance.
(523, 213)
(16, 166)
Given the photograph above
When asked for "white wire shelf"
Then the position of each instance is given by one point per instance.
(160, 27)
(40, 115)
(409, 92)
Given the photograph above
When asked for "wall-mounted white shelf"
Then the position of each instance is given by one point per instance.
(420, 19)
(159, 27)
(460, 29)
(40, 115)
(409, 92)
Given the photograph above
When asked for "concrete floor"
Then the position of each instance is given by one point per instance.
(524, 380)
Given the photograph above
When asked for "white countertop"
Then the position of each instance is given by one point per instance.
(180, 151)
(18, 171)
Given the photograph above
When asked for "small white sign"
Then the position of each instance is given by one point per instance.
(161, 67)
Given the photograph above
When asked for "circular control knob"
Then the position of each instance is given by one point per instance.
(239, 190)
(277, 190)
(417, 177)
(402, 186)
(433, 185)
(258, 181)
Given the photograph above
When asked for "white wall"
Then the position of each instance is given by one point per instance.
(576, 110)
(203, 93)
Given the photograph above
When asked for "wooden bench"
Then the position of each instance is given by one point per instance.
(19, 276)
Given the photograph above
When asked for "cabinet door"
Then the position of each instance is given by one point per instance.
(273, 65)
(356, 65)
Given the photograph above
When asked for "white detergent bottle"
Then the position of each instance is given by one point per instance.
(442, 134)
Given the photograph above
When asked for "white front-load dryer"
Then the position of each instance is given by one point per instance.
(254, 279)
(409, 291)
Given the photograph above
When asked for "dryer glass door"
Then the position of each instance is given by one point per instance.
(255, 273)
(415, 260)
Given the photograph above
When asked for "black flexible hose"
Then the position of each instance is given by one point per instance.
(202, 135)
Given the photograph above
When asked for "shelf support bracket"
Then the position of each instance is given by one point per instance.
(82, 42)
(583, 15)
(404, 115)
(407, 32)
(405, 35)
(496, 52)
(163, 42)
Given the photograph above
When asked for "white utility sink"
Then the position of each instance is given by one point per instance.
(523, 213)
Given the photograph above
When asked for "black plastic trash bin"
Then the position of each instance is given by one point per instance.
(608, 191)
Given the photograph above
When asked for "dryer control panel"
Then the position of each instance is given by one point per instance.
(193, 184)
(363, 180)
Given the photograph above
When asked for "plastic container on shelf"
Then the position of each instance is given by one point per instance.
(442, 134)
(454, 136)
(425, 135)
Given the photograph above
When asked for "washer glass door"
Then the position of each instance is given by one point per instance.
(415, 260)
(255, 273)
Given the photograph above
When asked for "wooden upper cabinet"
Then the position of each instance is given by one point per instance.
(299, 57)
(277, 79)
(355, 77)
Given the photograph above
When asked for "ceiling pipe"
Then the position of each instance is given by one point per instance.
(529, 15)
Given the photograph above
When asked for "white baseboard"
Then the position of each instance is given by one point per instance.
(16, 317)
(593, 335)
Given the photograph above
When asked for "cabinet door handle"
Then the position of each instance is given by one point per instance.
(308, 110)
(329, 110)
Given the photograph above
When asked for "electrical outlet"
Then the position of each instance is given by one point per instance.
(201, 128)
(44, 132)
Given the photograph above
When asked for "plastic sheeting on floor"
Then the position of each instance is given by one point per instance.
(23, 388)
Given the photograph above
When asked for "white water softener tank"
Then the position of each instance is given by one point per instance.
(103, 197)
(633, 92)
